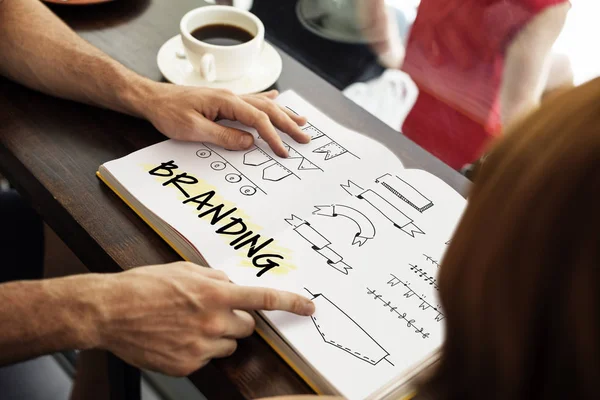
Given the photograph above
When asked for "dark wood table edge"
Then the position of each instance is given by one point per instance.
(74, 236)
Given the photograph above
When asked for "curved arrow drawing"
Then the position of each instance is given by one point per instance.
(388, 210)
(366, 229)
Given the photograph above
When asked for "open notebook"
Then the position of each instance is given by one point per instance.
(340, 221)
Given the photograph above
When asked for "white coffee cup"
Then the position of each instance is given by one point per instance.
(222, 63)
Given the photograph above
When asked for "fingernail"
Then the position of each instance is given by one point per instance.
(308, 308)
(246, 141)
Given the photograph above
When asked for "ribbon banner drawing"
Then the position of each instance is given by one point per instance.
(366, 229)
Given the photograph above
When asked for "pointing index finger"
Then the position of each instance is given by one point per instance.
(256, 298)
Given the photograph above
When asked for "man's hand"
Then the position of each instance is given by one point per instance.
(175, 318)
(92, 77)
(187, 113)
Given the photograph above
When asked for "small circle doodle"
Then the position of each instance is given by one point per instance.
(233, 178)
(218, 165)
(248, 190)
(204, 153)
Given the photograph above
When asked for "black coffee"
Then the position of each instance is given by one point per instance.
(222, 34)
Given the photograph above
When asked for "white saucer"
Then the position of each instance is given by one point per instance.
(176, 69)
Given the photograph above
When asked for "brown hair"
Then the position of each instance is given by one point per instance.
(520, 283)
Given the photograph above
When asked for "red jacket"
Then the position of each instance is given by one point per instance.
(455, 55)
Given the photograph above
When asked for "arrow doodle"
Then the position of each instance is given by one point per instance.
(388, 210)
(319, 243)
(366, 230)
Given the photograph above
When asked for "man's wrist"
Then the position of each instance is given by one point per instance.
(80, 299)
(137, 95)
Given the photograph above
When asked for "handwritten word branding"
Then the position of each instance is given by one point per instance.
(228, 224)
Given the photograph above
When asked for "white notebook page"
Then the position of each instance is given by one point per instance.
(341, 221)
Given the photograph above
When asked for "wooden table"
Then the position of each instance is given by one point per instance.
(50, 150)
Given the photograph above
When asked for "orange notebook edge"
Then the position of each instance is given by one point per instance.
(261, 334)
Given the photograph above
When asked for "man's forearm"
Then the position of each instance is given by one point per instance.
(38, 50)
(41, 317)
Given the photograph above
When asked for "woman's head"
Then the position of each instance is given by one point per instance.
(520, 283)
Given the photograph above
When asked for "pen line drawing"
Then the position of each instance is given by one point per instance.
(276, 172)
(319, 244)
(313, 131)
(331, 149)
(405, 192)
(208, 151)
(425, 305)
(431, 260)
(357, 342)
(305, 164)
(366, 229)
(423, 274)
(387, 209)
(273, 171)
(410, 323)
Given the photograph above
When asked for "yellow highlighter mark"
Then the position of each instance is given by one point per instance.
(232, 224)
